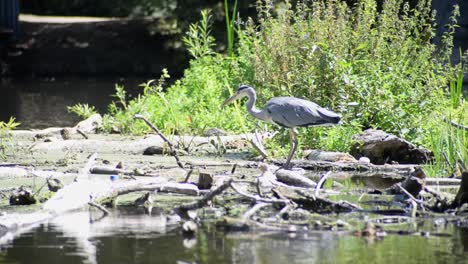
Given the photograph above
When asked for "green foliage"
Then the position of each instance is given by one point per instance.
(198, 39)
(10, 125)
(375, 65)
(82, 110)
(335, 55)
(5, 138)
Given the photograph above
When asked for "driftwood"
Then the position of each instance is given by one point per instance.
(355, 169)
(206, 198)
(307, 200)
(294, 178)
(112, 170)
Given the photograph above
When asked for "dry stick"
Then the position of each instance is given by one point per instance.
(321, 181)
(208, 197)
(455, 124)
(187, 177)
(257, 198)
(100, 207)
(171, 147)
(233, 168)
(82, 133)
(421, 203)
(258, 146)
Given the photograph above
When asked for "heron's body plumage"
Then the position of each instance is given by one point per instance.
(295, 112)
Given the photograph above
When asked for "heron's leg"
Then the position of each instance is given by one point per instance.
(293, 137)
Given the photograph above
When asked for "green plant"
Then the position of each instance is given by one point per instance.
(198, 38)
(10, 125)
(82, 110)
(230, 26)
(5, 137)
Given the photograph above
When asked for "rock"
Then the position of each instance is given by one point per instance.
(154, 150)
(66, 133)
(381, 147)
(91, 124)
(364, 160)
(321, 155)
(54, 184)
(23, 196)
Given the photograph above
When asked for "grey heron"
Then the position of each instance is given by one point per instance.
(288, 112)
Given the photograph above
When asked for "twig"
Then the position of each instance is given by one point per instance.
(421, 203)
(258, 198)
(320, 183)
(258, 146)
(187, 177)
(82, 133)
(208, 197)
(171, 147)
(455, 124)
(233, 168)
(100, 207)
(254, 209)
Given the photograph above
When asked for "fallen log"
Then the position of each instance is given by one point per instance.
(355, 169)
(294, 178)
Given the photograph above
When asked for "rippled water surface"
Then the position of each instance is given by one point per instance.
(129, 236)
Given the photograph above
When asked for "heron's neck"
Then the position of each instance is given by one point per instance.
(251, 105)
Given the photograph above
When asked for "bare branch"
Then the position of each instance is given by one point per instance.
(208, 197)
(171, 147)
(100, 207)
(455, 124)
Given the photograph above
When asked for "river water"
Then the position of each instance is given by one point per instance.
(41, 103)
(132, 236)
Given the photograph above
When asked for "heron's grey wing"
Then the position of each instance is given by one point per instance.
(295, 112)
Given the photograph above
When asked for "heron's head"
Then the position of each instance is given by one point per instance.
(242, 91)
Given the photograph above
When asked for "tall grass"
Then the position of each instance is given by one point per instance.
(230, 26)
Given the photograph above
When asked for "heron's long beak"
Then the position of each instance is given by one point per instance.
(231, 99)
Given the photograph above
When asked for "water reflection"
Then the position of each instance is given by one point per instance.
(135, 237)
(41, 103)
